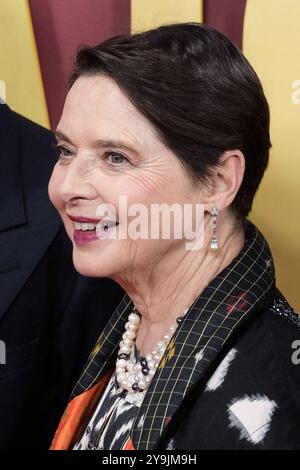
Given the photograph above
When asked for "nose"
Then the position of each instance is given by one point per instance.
(76, 183)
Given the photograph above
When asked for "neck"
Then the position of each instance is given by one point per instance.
(162, 292)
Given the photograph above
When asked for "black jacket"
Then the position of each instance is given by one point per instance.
(49, 315)
(229, 377)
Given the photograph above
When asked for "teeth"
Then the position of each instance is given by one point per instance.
(105, 225)
(84, 227)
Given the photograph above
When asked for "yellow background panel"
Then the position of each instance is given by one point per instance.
(147, 14)
(271, 43)
(19, 64)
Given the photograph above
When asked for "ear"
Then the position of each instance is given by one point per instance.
(226, 180)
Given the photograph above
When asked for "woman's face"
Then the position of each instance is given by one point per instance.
(107, 149)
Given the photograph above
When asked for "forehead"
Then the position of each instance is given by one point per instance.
(96, 107)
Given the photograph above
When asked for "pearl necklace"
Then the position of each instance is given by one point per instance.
(135, 376)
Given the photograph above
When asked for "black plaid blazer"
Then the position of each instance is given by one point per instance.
(230, 377)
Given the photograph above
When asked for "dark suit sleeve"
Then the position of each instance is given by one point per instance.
(50, 317)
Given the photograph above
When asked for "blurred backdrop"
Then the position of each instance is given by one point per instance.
(38, 42)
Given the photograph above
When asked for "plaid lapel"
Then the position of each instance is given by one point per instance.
(226, 302)
(105, 351)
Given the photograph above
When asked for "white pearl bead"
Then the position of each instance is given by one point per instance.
(121, 363)
(132, 328)
(129, 334)
(129, 371)
(134, 318)
(120, 377)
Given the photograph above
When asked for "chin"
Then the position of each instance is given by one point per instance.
(93, 265)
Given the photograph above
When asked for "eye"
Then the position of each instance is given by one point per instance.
(116, 158)
(61, 151)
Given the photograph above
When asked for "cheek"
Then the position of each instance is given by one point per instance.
(163, 180)
(147, 187)
(165, 189)
(123, 192)
(53, 188)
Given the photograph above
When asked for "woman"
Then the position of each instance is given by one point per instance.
(198, 353)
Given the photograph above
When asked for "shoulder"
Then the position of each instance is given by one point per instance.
(256, 387)
(37, 153)
(279, 328)
(30, 129)
(266, 371)
(282, 316)
(31, 133)
(283, 325)
(271, 339)
(7, 116)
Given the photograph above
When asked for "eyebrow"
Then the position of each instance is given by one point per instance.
(100, 143)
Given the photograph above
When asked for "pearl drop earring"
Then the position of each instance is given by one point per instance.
(214, 242)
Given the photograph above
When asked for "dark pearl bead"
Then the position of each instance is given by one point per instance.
(135, 387)
(144, 363)
(123, 356)
(179, 320)
(145, 370)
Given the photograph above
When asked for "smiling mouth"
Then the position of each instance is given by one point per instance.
(86, 224)
(102, 225)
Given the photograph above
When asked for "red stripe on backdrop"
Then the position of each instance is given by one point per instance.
(227, 16)
(60, 27)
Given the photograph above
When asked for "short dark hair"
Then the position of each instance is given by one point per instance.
(197, 89)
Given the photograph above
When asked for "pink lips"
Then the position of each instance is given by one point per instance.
(83, 219)
(81, 237)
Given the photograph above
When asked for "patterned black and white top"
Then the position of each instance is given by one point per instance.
(110, 425)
